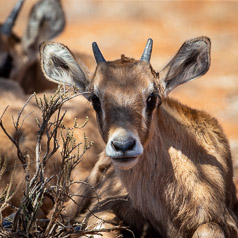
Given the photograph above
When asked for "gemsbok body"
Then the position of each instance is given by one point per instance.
(173, 161)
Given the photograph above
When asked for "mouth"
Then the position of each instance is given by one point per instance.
(125, 163)
(124, 159)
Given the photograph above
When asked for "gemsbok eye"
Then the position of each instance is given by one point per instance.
(96, 102)
(151, 101)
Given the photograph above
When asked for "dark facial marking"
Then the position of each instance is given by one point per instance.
(96, 103)
(94, 99)
(6, 67)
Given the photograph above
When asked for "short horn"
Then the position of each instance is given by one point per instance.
(147, 51)
(97, 53)
(9, 23)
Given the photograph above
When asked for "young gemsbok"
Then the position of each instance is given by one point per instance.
(174, 161)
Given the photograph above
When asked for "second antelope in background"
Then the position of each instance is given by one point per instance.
(19, 56)
(174, 161)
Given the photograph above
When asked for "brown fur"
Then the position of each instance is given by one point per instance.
(191, 192)
(188, 171)
(178, 170)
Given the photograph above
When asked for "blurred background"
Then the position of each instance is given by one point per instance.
(122, 27)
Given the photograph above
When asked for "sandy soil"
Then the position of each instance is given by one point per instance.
(124, 26)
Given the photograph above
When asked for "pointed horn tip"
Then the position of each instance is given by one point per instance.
(94, 44)
(150, 40)
(147, 51)
(149, 43)
(97, 53)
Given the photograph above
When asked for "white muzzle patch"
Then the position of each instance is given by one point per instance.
(124, 148)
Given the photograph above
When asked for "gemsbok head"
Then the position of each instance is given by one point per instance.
(125, 92)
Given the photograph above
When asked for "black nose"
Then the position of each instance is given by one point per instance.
(123, 145)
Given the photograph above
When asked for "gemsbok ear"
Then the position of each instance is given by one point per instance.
(191, 61)
(59, 66)
(46, 21)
